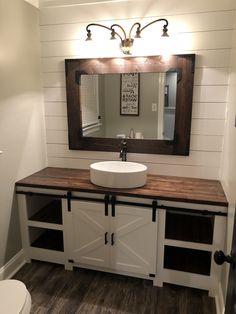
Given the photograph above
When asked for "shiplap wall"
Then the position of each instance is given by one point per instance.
(201, 27)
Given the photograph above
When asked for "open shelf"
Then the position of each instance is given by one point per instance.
(50, 240)
(187, 260)
(51, 213)
(190, 227)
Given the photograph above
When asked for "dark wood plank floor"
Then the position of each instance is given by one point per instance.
(55, 290)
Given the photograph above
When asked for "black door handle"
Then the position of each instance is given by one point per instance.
(112, 238)
(113, 209)
(220, 258)
(106, 241)
(106, 199)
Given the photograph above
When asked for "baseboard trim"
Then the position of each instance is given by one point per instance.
(219, 300)
(12, 266)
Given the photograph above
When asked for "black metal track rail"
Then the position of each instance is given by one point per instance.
(112, 200)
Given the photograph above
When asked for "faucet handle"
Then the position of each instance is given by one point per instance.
(123, 143)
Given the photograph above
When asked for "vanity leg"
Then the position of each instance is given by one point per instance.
(157, 282)
(69, 266)
(23, 215)
(212, 293)
(28, 260)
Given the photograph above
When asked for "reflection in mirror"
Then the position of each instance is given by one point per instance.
(141, 108)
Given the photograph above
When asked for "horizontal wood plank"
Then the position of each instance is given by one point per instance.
(194, 22)
(206, 143)
(207, 127)
(56, 123)
(210, 76)
(56, 137)
(200, 94)
(210, 93)
(211, 110)
(55, 108)
(198, 158)
(189, 42)
(197, 142)
(207, 58)
(55, 94)
(199, 126)
(158, 169)
(202, 76)
(202, 110)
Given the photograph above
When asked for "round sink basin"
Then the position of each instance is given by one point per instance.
(118, 174)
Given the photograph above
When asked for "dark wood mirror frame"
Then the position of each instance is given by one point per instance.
(183, 64)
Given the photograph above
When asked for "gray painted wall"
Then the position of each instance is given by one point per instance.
(21, 114)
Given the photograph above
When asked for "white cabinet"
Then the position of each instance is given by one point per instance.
(173, 242)
(124, 242)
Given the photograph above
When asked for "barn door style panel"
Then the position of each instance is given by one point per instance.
(134, 240)
(119, 238)
(89, 235)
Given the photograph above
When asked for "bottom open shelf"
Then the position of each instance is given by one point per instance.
(187, 260)
(50, 240)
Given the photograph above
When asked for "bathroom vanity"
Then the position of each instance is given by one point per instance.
(166, 231)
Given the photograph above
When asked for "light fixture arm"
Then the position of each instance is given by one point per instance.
(139, 29)
(117, 25)
(96, 24)
(138, 24)
(106, 27)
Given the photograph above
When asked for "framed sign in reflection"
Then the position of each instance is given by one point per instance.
(129, 98)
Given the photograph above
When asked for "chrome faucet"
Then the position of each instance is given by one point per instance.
(123, 151)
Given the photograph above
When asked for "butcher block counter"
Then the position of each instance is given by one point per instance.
(172, 188)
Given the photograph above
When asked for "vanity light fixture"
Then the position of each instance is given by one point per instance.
(127, 41)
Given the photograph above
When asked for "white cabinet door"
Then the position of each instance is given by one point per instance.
(135, 240)
(88, 229)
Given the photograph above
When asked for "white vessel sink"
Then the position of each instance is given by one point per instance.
(118, 174)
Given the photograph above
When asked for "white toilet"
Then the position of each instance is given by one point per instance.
(14, 297)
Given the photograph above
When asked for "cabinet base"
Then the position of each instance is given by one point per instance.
(112, 271)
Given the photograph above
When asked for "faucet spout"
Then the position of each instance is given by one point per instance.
(123, 151)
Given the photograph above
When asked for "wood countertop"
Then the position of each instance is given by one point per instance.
(191, 190)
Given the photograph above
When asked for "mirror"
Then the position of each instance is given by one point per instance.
(146, 101)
